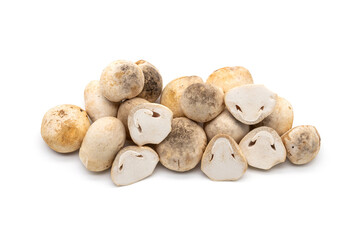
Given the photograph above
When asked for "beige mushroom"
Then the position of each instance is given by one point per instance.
(173, 91)
(152, 81)
(182, 149)
(263, 148)
(133, 164)
(96, 105)
(121, 80)
(202, 102)
(225, 123)
(149, 123)
(222, 159)
(250, 104)
(229, 77)
(64, 127)
(302, 144)
(102, 142)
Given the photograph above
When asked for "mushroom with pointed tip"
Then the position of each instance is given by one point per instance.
(152, 81)
(302, 144)
(149, 123)
(263, 148)
(223, 160)
(133, 164)
(250, 104)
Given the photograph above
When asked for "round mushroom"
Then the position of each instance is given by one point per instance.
(202, 102)
(133, 164)
(121, 80)
(263, 148)
(223, 160)
(96, 105)
(152, 81)
(64, 127)
(302, 144)
(229, 77)
(173, 91)
(102, 142)
(149, 123)
(250, 104)
(182, 149)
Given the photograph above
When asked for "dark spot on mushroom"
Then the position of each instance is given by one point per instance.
(292, 146)
(139, 155)
(81, 110)
(238, 108)
(252, 143)
(139, 128)
(155, 114)
(62, 113)
(121, 167)
(262, 108)
(273, 146)
(233, 155)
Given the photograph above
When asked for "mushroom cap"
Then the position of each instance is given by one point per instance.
(182, 149)
(133, 164)
(102, 142)
(96, 105)
(263, 148)
(202, 102)
(225, 123)
(153, 82)
(229, 77)
(173, 91)
(302, 144)
(149, 123)
(223, 160)
(250, 104)
(121, 80)
(64, 127)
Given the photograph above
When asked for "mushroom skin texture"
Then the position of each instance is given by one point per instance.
(63, 128)
(250, 104)
(229, 77)
(102, 142)
(153, 82)
(183, 148)
(302, 144)
(263, 148)
(202, 102)
(96, 105)
(121, 80)
(133, 164)
(226, 124)
(173, 91)
(149, 123)
(223, 160)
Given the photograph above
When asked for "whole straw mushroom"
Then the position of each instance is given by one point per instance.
(152, 81)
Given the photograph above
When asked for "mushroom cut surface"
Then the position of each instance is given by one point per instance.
(133, 164)
(222, 159)
(149, 123)
(250, 104)
(263, 148)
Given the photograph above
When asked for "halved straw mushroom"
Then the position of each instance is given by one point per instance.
(149, 123)
(250, 104)
(263, 148)
(202, 102)
(121, 80)
(223, 160)
(133, 164)
(173, 91)
(152, 81)
(302, 144)
(102, 142)
(183, 148)
(229, 77)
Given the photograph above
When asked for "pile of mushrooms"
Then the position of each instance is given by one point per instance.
(130, 124)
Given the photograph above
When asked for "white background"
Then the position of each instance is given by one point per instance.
(307, 52)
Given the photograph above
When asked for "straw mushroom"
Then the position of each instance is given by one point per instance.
(152, 81)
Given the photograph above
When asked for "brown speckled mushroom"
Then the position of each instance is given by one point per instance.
(250, 104)
(173, 91)
(153, 82)
(223, 160)
(302, 144)
(133, 164)
(121, 80)
(202, 102)
(263, 148)
(64, 127)
(183, 148)
(229, 77)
